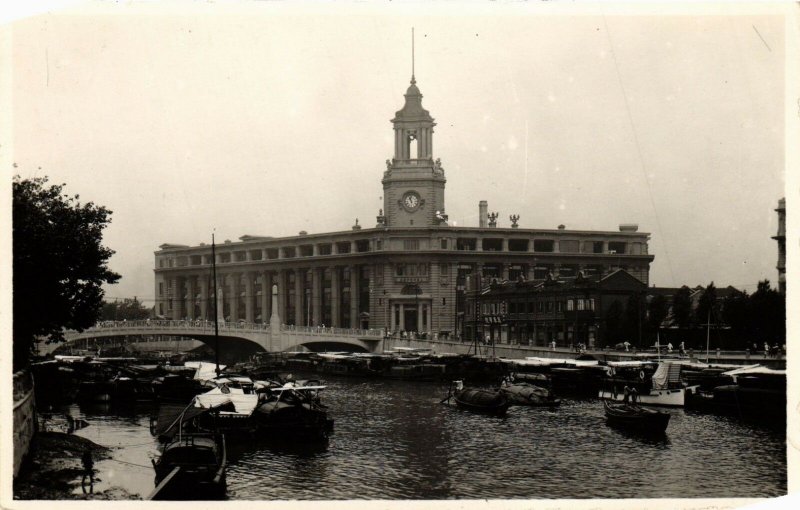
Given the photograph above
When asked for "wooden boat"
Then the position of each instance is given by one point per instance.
(663, 387)
(635, 417)
(293, 410)
(192, 464)
(480, 401)
(523, 394)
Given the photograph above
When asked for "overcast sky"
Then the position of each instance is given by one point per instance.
(266, 122)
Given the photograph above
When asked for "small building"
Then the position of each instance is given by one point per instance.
(567, 311)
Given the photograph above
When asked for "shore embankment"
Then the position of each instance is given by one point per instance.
(54, 470)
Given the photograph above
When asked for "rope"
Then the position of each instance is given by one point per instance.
(132, 464)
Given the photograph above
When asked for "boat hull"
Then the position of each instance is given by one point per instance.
(481, 401)
(633, 417)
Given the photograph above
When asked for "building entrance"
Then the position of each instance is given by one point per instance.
(410, 319)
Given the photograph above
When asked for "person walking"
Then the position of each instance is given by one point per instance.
(88, 470)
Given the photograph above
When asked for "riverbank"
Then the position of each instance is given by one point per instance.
(54, 469)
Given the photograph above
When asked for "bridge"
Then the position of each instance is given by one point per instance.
(241, 338)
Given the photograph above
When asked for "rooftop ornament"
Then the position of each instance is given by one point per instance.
(514, 219)
(493, 219)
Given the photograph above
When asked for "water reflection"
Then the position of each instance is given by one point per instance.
(393, 440)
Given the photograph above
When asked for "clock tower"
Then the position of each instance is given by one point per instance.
(413, 183)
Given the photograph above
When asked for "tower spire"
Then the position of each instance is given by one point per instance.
(413, 80)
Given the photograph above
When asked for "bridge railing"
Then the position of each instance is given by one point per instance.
(322, 330)
(198, 325)
(208, 327)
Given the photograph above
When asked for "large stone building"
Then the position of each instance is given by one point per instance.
(406, 273)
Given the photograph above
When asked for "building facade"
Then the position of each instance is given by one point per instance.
(564, 311)
(406, 273)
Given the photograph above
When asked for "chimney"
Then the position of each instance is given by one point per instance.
(483, 211)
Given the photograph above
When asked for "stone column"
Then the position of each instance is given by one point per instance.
(354, 277)
(299, 297)
(504, 246)
(234, 298)
(190, 290)
(177, 299)
(506, 268)
(402, 316)
(266, 296)
(282, 293)
(316, 296)
(530, 269)
(335, 297)
(249, 316)
(203, 281)
(420, 325)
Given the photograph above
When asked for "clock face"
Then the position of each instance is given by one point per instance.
(411, 200)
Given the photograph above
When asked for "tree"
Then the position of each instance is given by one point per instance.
(736, 314)
(768, 312)
(634, 319)
(657, 310)
(682, 308)
(127, 309)
(613, 320)
(708, 306)
(60, 263)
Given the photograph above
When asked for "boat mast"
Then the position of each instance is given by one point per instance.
(216, 297)
(708, 331)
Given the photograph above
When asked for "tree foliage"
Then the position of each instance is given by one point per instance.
(613, 322)
(657, 310)
(707, 306)
(127, 309)
(682, 308)
(60, 263)
(768, 314)
(634, 319)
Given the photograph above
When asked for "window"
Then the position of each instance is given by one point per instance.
(492, 244)
(379, 244)
(444, 269)
(466, 244)
(444, 244)
(411, 244)
(325, 249)
(580, 304)
(160, 288)
(591, 304)
(543, 245)
(617, 247)
(517, 245)
(570, 305)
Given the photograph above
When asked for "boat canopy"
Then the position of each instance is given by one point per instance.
(535, 361)
(244, 403)
(754, 369)
(170, 416)
(204, 370)
(621, 364)
(666, 374)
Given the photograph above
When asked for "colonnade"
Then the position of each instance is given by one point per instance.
(306, 296)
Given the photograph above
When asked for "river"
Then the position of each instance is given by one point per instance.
(393, 440)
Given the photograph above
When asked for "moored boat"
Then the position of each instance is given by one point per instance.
(524, 394)
(663, 387)
(480, 401)
(634, 417)
(192, 464)
(293, 410)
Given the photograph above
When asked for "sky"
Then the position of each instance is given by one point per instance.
(271, 120)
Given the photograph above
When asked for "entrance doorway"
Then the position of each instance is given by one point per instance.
(410, 319)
